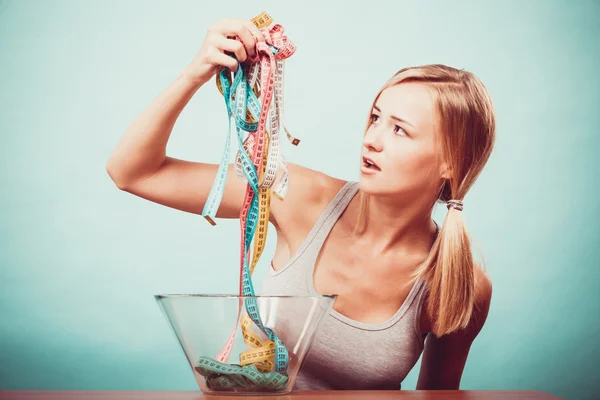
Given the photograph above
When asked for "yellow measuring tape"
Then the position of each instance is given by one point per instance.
(261, 355)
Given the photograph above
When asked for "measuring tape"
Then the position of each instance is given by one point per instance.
(258, 161)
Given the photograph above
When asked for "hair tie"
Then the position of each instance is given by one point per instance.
(457, 204)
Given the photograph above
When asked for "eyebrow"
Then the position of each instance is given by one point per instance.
(396, 118)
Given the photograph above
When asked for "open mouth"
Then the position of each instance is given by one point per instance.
(370, 164)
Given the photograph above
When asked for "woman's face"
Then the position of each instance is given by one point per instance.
(405, 149)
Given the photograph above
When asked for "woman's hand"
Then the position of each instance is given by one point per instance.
(237, 36)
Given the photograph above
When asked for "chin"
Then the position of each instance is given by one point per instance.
(370, 186)
(376, 186)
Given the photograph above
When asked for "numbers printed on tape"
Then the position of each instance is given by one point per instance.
(262, 20)
(255, 356)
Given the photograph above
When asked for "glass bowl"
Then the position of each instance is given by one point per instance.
(245, 345)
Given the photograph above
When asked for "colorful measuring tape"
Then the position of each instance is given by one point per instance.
(258, 160)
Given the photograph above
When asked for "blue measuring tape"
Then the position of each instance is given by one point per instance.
(246, 101)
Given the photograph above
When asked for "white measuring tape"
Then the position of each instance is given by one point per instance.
(258, 160)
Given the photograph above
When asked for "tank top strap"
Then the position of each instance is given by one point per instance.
(313, 241)
(335, 208)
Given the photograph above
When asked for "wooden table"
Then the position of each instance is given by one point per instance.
(295, 395)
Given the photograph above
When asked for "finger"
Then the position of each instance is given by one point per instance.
(248, 40)
(238, 27)
(232, 45)
(255, 31)
(218, 58)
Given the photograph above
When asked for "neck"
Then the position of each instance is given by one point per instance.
(397, 226)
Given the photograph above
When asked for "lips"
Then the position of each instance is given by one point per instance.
(369, 163)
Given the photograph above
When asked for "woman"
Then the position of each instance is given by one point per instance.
(397, 274)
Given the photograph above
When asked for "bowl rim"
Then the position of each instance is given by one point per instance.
(237, 296)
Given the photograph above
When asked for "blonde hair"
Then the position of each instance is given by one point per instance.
(465, 132)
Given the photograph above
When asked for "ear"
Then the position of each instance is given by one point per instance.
(445, 171)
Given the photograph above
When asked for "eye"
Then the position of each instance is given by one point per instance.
(373, 116)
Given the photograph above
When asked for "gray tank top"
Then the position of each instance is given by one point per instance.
(348, 354)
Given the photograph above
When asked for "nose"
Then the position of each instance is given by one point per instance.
(373, 139)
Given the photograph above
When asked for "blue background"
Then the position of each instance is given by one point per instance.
(80, 260)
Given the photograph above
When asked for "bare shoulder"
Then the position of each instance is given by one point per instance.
(444, 358)
(308, 191)
(483, 284)
(483, 297)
